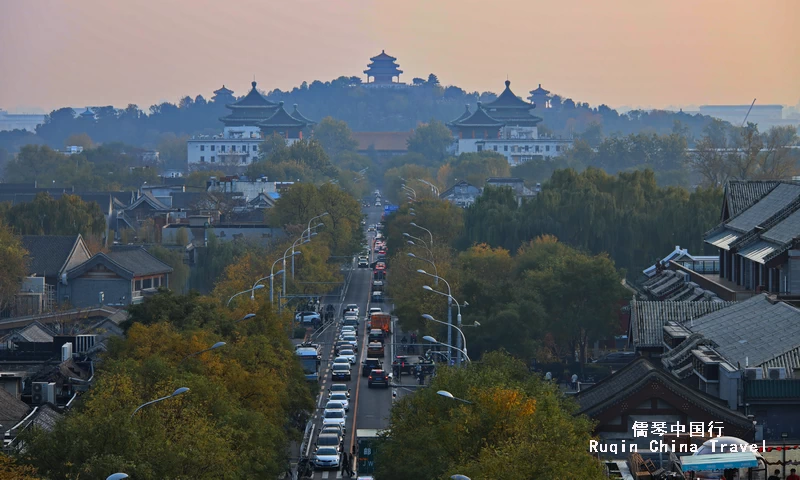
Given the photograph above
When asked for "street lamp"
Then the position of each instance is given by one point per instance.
(256, 285)
(212, 347)
(433, 340)
(250, 290)
(272, 275)
(449, 395)
(430, 317)
(459, 477)
(423, 242)
(413, 224)
(450, 301)
(429, 261)
(117, 476)
(174, 394)
(246, 317)
(311, 220)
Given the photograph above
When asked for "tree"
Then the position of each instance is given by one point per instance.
(12, 264)
(173, 150)
(13, 470)
(431, 141)
(79, 139)
(512, 418)
(335, 137)
(179, 278)
(475, 168)
(69, 215)
(433, 80)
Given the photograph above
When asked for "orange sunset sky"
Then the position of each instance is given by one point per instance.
(647, 53)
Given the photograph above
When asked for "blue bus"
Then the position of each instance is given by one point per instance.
(309, 356)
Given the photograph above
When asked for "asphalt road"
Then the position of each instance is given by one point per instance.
(369, 407)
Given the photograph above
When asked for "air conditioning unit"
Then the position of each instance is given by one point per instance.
(43, 392)
(66, 351)
(777, 373)
(754, 373)
(84, 343)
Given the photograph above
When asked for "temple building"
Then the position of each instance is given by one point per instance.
(540, 97)
(223, 95)
(251, 120)
(383, 71)
(507, 126)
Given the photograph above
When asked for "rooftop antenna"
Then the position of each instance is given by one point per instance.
(748, 112)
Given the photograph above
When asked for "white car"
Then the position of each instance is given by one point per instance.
(334, 405)
(371, 228)
(340, 388)
(341, 359)
(334, 417)
(340, 398)
(326, 457)
(374, 310)
(352, 308)
(349, 330)
(348, 354)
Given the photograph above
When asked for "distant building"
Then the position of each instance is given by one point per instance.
(540, 97)
(507, 126)
(252, 119)
(20, 121)
(517, 185)
(462, 194)
(383, 71)
(384, 144)
(259, 192)
(764, 115)
(223, 96)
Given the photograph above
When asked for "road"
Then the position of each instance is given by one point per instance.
(369, 407)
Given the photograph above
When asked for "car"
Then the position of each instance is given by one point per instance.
(326, 457)
(340, 398)
(351, 308)
(377, 204)
(341, 359)
(333, 429)
(363, 264)
(342, 345)
(308, 318)
(332, 439)
(378, 377)
(380, 266)
(363, 257)
(334, 417)
(348, 354)
(350, 339)
(339, 388)
(375, 310)
(350, 321)
(377, 297)
(375, 350)
(371, 228)
(349, 328)
(335, 405)
(363, 222)
(341, 371)
(376, 335)
(382, 251)
(370, 364)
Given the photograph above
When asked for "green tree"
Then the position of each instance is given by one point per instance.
(431, 141)
(79, 140)
(475, 168)
(173, 150)
(69, 215)
(335, 137)
(12, 264)
(512, 418)
(179, 278)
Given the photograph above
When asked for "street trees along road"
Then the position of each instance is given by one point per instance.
(516, 427)
(235, 421)
(12, 264)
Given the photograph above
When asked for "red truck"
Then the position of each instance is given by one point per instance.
(382, 320)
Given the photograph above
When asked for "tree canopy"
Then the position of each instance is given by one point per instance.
(67, 215)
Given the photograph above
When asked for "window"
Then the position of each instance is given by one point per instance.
(213, 159)
(547, 148)
(157, 282)
(202, 148)
(480, 148)
(147, 283)
(222, 148)
(138, 285)
(505, 148)
(244, 148)
(255, 148)
(526, 148)
(558, 148)
(537, 148)
(495, 148)
(202, 158)
(213, 147)
(244, 159)
(233, 148)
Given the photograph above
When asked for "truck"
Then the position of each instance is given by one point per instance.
(381, 320)
(367, 441)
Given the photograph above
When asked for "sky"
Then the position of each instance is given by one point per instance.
(652, 53)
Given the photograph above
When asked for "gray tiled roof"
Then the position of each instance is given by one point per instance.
(777, 199)
(36, 332)
(638, 375)
(137, 260)
(46, 418)
(648, 318)
(48, 254)
(741, 194)
(785, 231)
(11, 410)
(755, 331)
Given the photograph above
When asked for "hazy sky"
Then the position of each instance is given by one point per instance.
(652, 53)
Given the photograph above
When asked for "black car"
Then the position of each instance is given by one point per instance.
(370, 364)
(378, 378)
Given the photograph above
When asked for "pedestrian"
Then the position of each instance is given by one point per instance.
(574, 381)
(776, 475)
(793, 475)
(413, 338)
(345, 470)
(548, 376)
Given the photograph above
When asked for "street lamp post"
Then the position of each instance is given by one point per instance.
(413, 224)
(272, 275)
(311, 220)
(246, 317)
(212, 347)
(433, 340)
(436, 280)
(257, 286)
(174, 394)
(450, 301)
(117, 476)
(463, 337)
(249, 290)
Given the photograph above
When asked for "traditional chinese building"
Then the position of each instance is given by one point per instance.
(540, 97)
(507, 126)
(252, 118)
(383, 70)
(223, 96)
